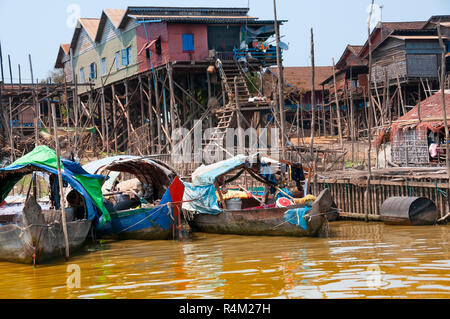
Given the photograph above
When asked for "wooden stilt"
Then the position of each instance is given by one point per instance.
(60, 182)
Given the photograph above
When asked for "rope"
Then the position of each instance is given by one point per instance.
(325, 184)
(409, 188)
(443, 193)
(157, 210)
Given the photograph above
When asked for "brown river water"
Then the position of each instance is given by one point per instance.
(357, 260)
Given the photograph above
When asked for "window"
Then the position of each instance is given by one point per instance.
(104, 66)
(93, 71)
(188, 42)
(124, 57)
(117, 55)
(82, 75)
(158, 47)
(129, 55)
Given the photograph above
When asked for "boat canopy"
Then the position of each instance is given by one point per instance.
(97, 167)
(207, 175)
(200, 195)
(146, 170)
(43, 158)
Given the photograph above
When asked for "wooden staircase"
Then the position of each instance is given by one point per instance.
(226, 117)
(229, 73)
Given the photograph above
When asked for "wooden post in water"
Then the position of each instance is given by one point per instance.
(369, 123)
(60, 182)
(444, 110)
(280, 82)
(313, 108)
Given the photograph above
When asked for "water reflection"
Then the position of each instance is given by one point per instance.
(409, 262)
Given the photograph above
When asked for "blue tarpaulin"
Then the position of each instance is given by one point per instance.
(206, 175)
(297, 217)
(201, 199)
(200, 195)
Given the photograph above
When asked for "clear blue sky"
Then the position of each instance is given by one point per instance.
(38, 27)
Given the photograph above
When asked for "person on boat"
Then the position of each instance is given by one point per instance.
(77, 205)
(54, 197)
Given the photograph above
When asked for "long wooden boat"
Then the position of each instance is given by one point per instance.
(35, 235)
(38, 235)
(152, 217)
(154, 222)
(265, 221)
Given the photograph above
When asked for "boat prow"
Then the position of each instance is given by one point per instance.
(38, 236)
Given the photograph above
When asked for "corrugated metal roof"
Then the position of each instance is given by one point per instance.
(356, 49)
(430, 110)
(301, 77)
(115, 15)
(410, 25)
(190, 18)
(417, 37)
(187, 9)
(66, 48)
(90, 25)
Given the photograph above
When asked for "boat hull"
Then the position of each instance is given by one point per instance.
(264, 222)
(267, 222)
(141, 224)
(16, 244)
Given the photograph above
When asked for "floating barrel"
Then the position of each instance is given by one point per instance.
(409, 211)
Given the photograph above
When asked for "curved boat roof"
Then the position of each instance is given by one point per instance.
(42, 158)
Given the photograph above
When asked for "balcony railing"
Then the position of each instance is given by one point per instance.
(266, 56)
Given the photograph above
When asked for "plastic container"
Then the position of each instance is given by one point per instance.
(234, 204)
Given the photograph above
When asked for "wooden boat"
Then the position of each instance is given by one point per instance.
(36, 235)
(150, 215)
(264, 221)
(206, 209)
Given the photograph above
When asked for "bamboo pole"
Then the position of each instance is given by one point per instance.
(114, 116)
(10, 70)
(141, 99)
(352, 117)
(127, 114)
(369, 127)
(172, 98)
(158, 113)
(11, 141)
(338, 108)
(444, 110)
(1, 64)
(241, 140)
(297, 115)
(105, 120)
(280, 81)
(313, 108)
(150, 114)
(60, 181)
